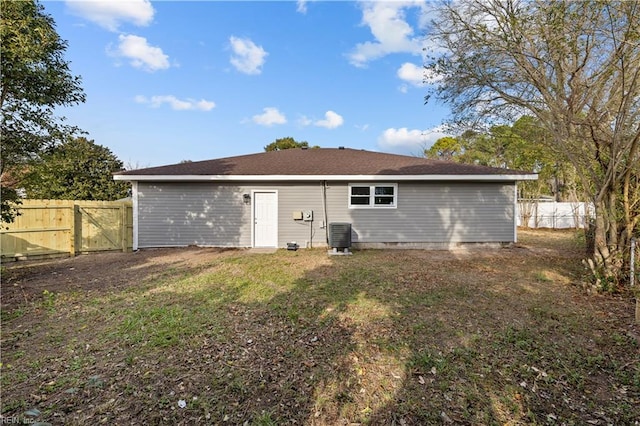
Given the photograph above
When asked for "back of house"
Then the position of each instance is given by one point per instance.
(295, 196)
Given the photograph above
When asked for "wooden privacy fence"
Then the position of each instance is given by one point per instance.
(59, 227)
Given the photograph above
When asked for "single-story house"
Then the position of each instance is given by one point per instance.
(274, 198)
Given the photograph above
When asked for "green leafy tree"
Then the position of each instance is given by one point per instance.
(533, 150)
(519, 147)
(35, 79)
(484, 149)
(286, 143)
(446, 148)
(78, 169)
(575, 67)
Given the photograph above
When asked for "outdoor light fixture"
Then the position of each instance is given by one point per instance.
(246, 198)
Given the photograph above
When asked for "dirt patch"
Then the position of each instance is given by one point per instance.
(25, 281)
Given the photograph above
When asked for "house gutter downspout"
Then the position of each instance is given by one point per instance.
(324, 210)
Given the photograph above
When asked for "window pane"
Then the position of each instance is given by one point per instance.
(360, 190)
(384, 190)
(359, 201)
(387, 201)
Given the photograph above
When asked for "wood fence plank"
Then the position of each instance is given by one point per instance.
(72, 233)
(123, 227)
(54, 227)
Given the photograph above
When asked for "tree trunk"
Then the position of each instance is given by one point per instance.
(600, 247)
(617, 214)
(605, 249)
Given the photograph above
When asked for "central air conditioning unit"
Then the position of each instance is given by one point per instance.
(339, 235)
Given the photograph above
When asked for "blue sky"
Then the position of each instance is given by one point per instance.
(168, 81)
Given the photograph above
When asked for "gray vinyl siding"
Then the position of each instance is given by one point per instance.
(434, 212)
(211, 214)
(182, 214)
(300, 197)
(214, 214)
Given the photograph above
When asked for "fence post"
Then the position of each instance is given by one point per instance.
(123, 226)
(72, 228)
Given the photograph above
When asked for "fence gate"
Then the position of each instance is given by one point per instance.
(102, 227)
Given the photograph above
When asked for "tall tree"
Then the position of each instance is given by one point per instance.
(519, 146)
(78, 169)
(575, 66)
(35, 79)
(285, 143)
(446, 148)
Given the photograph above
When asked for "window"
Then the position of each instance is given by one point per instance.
(360, 195)
(373, 196)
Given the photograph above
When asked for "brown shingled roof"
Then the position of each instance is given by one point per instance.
(320, 162)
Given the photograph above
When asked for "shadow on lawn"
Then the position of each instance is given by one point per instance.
(368, 341)
(348, 343)
(298, 338)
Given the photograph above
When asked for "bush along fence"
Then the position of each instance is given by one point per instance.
(541, 214)
(67, 227)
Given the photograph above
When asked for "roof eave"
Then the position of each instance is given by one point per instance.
(306, 178)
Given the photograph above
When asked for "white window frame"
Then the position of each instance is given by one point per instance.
(372, 196)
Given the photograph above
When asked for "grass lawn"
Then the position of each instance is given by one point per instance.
(206, 336)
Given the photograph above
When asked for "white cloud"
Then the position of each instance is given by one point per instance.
(110, 14)
(141, 54)
(409, 141)
(175, 103)
(403, 137)
(411, 73)
(301, 6)
(247, 57)
(392, 32)
(416, 76)
(305, 121)
(269, 117)
(331, 120)
(430, 136)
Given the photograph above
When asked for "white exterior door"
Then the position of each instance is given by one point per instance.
(265, 219)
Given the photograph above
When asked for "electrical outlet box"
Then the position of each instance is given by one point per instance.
(297, 215)
(308, 215)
